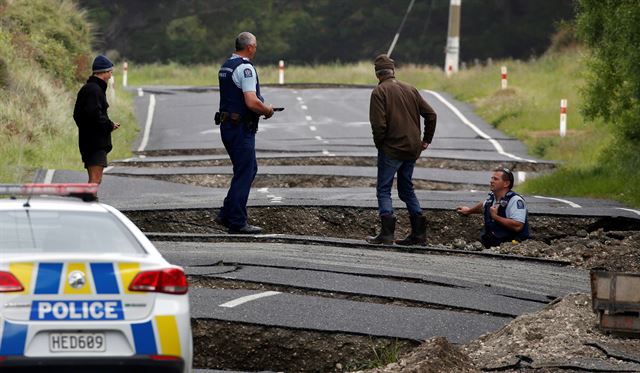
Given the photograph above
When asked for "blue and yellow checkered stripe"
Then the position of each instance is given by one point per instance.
(102, 278)
(13, 337)
(168, 341)
(49, 278)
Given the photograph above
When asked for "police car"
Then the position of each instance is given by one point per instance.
(81, 287)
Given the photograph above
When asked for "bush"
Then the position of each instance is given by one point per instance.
(54, 33)
(611, 29)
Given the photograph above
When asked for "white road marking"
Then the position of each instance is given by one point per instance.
(572, 204)
(308, 118)
(215, 130)
(630, 210)
(318, 138)
(263, 190)
(147, 125)
(107, 169)
(299, 98)
(140, 92)
(477, 130)
(313, 128)
(48, 177)
(356, 124)
(303, 107)
(248, 298)
(326, 152)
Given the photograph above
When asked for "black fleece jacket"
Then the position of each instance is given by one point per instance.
(90, 114)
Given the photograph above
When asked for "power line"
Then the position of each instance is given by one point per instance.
(395, 39)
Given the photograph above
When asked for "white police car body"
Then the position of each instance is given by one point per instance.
(81, 285)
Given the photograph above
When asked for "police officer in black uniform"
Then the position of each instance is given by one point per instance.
(504, 211)
(241, 106)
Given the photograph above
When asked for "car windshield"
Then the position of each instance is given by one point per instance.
(25, 231)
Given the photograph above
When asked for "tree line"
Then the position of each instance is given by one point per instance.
(321, 31)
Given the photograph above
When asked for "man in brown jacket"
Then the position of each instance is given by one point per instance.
(394, 113)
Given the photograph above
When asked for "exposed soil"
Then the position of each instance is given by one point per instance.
(587, 242)
(304, 181)
(245, 347)
(464, 165)
(563, 337)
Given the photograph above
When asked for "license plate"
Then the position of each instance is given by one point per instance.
(77, 342)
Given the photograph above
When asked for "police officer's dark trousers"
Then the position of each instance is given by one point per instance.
(240, 144)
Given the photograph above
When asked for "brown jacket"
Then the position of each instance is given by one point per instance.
(394, 113)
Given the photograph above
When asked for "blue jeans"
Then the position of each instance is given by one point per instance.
(240, 144)
(387, 169)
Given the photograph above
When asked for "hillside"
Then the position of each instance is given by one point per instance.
(45, 56)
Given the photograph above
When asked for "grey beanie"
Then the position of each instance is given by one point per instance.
(102, 64)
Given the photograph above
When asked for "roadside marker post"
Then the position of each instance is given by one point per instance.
(563, 118)
(112, 91)
(281, 72)
(503, 71)
(125, 68)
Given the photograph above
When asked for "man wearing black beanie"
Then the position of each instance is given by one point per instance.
(94, 125)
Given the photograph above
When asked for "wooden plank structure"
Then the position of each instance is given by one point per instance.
(615, 298)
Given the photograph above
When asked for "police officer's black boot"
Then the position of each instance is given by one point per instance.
(418, 235)
(386, 234)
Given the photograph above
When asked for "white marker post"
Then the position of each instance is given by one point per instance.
(563, 117)
(452, 51)
(112, 91)
(125, 68)
(281, 72)
(503, 70)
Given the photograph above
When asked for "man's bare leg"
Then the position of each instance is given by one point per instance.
(95, 174)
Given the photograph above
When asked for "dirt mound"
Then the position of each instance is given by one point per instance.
(562, 334)
(435, 355)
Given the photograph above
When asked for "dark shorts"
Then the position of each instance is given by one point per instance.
(96, 158)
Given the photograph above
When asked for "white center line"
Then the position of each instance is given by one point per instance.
(248, 298)
(318, 138)
(48, 178)
(303, 107)
(477, 130)
(308, 118)
(313, 128)
(572, 204)
(299, 98)
(147, 125)
(630, 210)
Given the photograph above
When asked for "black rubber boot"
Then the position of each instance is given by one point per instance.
(418, 235)
(386, 235)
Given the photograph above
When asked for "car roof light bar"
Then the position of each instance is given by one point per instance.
(87, 192)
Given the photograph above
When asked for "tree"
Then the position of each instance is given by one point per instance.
(611, 30)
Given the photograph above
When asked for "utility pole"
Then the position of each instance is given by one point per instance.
(453, 39)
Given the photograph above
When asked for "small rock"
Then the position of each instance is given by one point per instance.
(459, 243)
(582, 233)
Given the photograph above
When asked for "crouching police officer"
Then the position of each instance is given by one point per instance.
(505, 211)
(240, 108)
